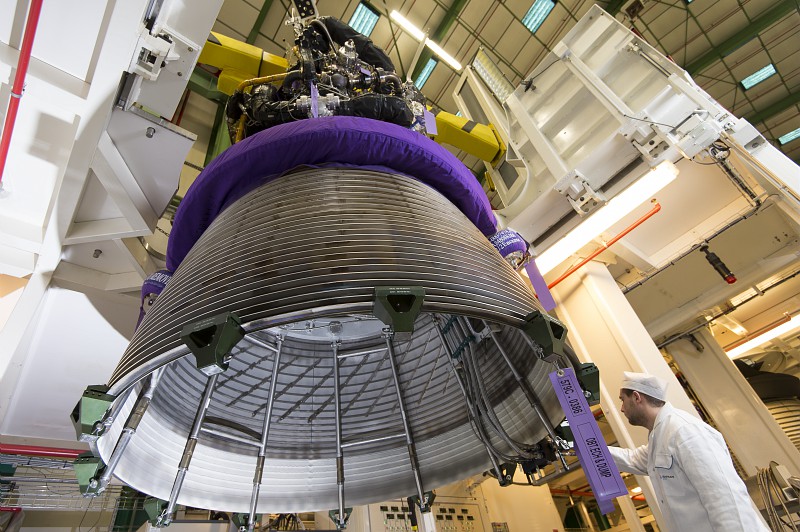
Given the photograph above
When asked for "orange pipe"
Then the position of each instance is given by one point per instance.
(605, 246)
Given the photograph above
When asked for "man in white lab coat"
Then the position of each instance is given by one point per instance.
(687, 461)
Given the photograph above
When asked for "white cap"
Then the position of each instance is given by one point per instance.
(647, 384)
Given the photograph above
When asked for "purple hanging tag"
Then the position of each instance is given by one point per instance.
(430, 122)
(591, 448)
(540, 286)
(314, 100)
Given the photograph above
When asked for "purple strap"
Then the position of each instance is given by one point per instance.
(599, 467)
(540, 286)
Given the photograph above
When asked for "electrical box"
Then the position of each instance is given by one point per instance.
(450, 517)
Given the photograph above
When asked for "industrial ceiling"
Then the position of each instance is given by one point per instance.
(719, 43)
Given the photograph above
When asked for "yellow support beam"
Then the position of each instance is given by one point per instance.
(238, 61)
(480, 140)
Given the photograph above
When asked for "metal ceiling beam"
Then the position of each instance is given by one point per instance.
(774, 109)
(614, 6)
(262, 15)
(438, 34)
(756, 26)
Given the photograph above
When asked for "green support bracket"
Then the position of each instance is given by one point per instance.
(205, 84)
(428, 502)
(154, 507)
(7, 470)
(334, 515)
(438, 34)
(242, 520)
(89, 412)
(546, 331)
(220, 139)
(589, 376)
(87, 470)
(398, 306)
(211, 341)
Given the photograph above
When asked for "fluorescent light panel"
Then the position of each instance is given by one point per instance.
(419, 35)
(604, 217)
(789, 137)
(447, 58)
(537, 13)
(364, 19)
(406, 25)
(492, 76)
(789, 326)
(757, 77)
(426, 73)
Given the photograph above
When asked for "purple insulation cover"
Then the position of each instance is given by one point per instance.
(593, 453)
(509, 241)
(330, 141)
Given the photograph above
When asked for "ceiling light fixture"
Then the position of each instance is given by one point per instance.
(761, 339)
(406, 25)
(426, 72)
(789, 137)
(492, 75)
(419, 35)
(535, 16)
(606, 216)
(757, 77)
(364, 19)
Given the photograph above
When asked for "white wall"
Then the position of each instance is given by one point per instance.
(70, 326)
(524, 508)
(10, 292)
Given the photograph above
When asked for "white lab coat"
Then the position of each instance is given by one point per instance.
(693, 476)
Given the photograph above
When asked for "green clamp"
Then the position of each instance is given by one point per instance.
(546, 331)
(154, 507)
(242, 520)
(398, 306)
(88, 414)
(424, 505)
(334, 515)
(589, 376)
(211, 341)
(88, 469)
(7, 470)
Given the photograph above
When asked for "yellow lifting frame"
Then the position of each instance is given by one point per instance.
(242, 64)
(480, 140)
(239, 61)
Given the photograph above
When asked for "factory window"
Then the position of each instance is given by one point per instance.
(364, 19)
(789, 137)
(426, 73)
(757, 77)
(537, 13)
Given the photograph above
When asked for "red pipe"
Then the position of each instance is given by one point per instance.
(13, 509)
(19, 82)
(33, 450)
(605, 246)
